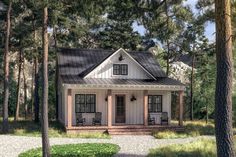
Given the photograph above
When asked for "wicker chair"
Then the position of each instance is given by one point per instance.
(80, 119)
(151, 120)
(98, 118)
(164, 118)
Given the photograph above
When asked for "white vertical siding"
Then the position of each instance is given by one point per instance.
(101, 105)
(166, 104)
(105, 70)
(133, 109)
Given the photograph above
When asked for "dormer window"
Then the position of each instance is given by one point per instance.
(120, 69)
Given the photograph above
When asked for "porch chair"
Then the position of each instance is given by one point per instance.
(80, 119)
(164, 118)
(151, 120)
(98, 118)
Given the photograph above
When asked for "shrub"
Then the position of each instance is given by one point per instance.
(77, 150)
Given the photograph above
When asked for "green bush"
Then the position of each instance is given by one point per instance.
(201, 148)
(77, 150)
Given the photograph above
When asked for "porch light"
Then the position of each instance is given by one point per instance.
(105, 98)
(121, 58)
(133, 98)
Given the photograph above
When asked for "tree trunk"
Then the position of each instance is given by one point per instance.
(191, 87)
(45, 140)
(25, 90)
(18, 87)
(32, 92)
(36, 90)
(36, 79)
(167, 41)
(56, 74)
(6, 71)
(206, 113)
(223, 93)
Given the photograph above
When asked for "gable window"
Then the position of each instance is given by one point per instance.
(85, 103)
(120, 69)
(155, 103)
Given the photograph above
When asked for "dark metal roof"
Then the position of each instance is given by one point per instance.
(69, 79)
(148, 61)
(82, 61)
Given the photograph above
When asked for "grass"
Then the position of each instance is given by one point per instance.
(77, 150)
(192, 129)
(29, 128)
(200, 148)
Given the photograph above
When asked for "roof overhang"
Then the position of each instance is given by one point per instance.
(125, 87)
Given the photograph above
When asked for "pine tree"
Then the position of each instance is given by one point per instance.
(6, 70)
(223, 93)
(45, 139)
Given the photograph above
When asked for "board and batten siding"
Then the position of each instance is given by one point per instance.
(134, 109)
(166, 105)
(105, 70)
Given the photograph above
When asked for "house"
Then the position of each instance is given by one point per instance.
(128, 88)
(181, 68)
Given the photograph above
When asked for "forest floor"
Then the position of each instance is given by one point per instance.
(130, 146)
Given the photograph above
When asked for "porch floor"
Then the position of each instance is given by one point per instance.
(125, 129)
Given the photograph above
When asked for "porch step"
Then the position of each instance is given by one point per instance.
(141, 131)
(130, 131)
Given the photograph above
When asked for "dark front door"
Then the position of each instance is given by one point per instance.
(120, 108)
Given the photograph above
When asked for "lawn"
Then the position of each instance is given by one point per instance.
(201, 148)
(29, 128)
(77, 150)
(192, 129)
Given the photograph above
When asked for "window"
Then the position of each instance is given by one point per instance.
(154, 103)
(120, 69)
(85, 103)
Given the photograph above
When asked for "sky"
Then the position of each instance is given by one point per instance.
(209, 26)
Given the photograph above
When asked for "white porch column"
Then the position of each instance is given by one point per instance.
(181, 93)
(69, 108)
(109, 108)
(145, 107)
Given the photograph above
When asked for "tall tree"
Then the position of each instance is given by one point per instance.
(223, 93)
(45, 140)
(6, 69)
(18, 86)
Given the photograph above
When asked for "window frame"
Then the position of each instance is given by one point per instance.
(85, 103)
(150, 110)
(119, 69)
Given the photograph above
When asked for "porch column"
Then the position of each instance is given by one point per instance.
(145, 107)
(181, 93)
(69, 108)
(109, 108)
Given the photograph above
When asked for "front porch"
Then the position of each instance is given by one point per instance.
(109, 124)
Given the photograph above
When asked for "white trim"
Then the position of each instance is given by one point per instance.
(106, 60)
(125, 87)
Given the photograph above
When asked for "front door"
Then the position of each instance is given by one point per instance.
(120, 109)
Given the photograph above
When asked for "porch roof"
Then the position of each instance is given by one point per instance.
(160, 84)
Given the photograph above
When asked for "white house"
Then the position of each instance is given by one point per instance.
(129, 90)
